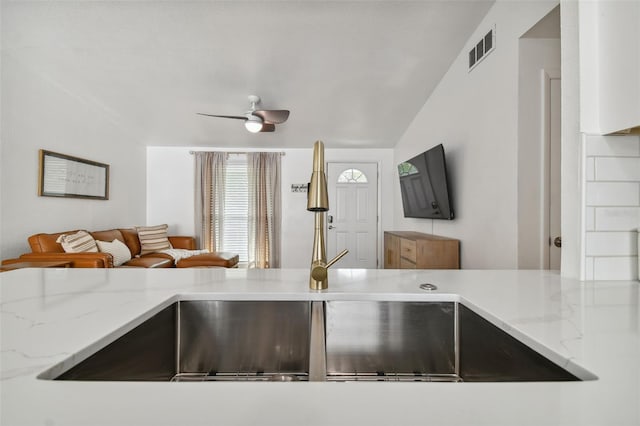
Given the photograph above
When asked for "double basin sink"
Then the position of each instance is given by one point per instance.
(301, 340)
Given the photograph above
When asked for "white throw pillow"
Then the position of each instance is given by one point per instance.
(119, 250)
(80, 242)
(153, 238)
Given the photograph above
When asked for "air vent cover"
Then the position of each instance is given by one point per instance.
(482, 48)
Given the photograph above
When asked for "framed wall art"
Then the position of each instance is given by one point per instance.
(66, 176)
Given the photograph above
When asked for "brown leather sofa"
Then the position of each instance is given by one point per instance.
(45, 248)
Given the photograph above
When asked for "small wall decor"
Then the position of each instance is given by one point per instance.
(299, 187)
(66, 176)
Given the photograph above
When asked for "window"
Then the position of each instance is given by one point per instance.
(238, 205)
(236, 208)
(352, 176)
(406, 169)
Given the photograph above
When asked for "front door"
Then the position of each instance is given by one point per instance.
(352, 219)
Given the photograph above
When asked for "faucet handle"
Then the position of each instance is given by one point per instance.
(338, 257)
(319, 271)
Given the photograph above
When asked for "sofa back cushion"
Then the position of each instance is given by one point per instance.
(117, 234)
(46, 243)
(108, 235)
(131, 240)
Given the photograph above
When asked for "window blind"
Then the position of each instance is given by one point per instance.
(236, 207)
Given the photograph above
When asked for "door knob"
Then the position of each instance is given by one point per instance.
(331, 226)
(557, 241)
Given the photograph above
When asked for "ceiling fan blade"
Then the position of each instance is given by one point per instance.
(237, 117)
(275, 116)
(268, 127)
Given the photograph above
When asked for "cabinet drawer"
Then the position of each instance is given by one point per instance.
(408, 250)
(407, 264)
(415, 250)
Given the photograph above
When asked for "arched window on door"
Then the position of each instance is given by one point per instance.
(352, 176)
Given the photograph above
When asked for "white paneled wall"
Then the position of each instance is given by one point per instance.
(612, 202)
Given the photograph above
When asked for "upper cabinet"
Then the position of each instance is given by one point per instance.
(610, 66)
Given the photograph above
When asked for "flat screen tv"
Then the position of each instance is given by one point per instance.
(423, 185)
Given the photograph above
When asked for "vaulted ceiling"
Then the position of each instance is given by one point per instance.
(353, 73)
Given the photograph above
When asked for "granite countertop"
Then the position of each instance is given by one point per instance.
(50, 314)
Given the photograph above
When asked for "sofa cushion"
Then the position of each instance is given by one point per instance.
(46, 243)
(153, 238)
(117, 249)
(108, 235)
(179, 254)
(181, 242)
(220, 259)
(80, 242)
(150, 262)
(132, 241)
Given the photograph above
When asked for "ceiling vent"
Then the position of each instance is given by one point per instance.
(482, 48)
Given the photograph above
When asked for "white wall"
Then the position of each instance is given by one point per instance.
(170, 189)
(475, 116)
(170, 195)
(40, 112)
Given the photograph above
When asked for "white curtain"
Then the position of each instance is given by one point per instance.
(209, 199)
(263, 170)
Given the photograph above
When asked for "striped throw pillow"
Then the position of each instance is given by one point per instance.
(119, 250)
(80, 242)
(153, 238)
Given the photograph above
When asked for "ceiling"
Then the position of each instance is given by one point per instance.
(353, 73)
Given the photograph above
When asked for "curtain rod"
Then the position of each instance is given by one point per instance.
(239, 152)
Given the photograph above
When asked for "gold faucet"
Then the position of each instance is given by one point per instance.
(318, 202)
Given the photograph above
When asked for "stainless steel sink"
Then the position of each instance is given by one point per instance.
(208, 340)
(426, 341)
(334, 340)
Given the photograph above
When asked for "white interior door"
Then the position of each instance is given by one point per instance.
(552, 132)
(352, 219)
(554, 177)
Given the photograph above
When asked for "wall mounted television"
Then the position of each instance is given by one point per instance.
(423, 185)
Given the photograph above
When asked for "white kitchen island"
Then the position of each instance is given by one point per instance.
(50, 314)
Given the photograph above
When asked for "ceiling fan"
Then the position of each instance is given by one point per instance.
(263, 120)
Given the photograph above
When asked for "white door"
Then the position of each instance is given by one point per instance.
(352, 219)
(553, 151)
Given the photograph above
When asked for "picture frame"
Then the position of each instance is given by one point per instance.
(63, 175)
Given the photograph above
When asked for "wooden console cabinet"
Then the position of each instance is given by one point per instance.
(415, 250)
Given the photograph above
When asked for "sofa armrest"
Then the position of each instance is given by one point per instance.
(187, 243)
(78, 260)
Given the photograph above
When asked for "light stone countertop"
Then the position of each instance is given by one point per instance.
(50, 314)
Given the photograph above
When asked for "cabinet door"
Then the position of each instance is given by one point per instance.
(438, 254)
(391, 251)
(609, 83)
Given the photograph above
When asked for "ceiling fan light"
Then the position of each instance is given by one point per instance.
(253, 124)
